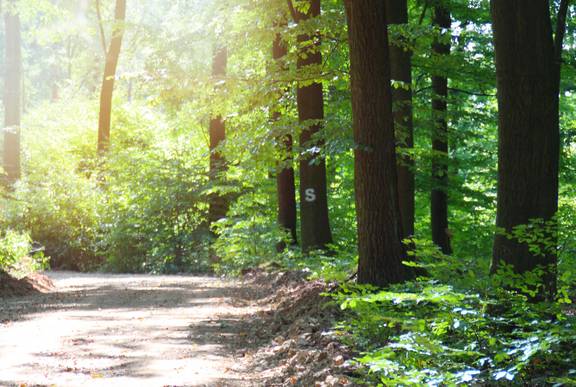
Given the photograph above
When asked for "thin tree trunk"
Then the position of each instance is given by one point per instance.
(286, 189)
(378, 213)
(12, 98)
(54, 79)
(529, 145)
(439, 194)
(401, 71)
(218, 203)
(107, 90)
(314, 220)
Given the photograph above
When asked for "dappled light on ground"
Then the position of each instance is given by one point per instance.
(102, 330)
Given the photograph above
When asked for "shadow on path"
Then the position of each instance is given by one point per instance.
(100, 329)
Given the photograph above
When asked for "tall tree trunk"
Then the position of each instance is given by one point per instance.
(218, 203)
(107, 90)
(378, 213)
(12, 98)
(314, 220)
(439, 194)
(401, 71)
(285, 185)
(528, 146)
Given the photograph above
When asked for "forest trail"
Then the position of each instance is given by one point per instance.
(122, 330)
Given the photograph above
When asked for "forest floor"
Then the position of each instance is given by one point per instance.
(141, 330)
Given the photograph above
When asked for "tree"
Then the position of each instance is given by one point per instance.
(314, 220)
(439, 193)
(401, 71)
(12, 97)
(218, 203)
(286, 189)
(112, 56)
(379, 227)
(528, 76)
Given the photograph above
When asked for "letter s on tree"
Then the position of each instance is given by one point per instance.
(310, 195)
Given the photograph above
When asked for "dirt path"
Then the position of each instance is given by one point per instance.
(119, 330)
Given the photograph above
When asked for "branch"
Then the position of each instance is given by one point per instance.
(479, 94)
(456, 90)
(560, 31)
(424, 10)
(293, 11)
(101, 28)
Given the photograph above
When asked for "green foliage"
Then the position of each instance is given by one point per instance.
(428, 333)
(143, 209)
(16, 255)
(249, 235)
(155, 216)
(13, 247)
(57, 201)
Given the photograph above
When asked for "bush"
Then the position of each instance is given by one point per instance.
(141, 209)
(56, 201)
(15, 254)
(156, 211)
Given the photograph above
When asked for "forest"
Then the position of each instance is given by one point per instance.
(416, 157)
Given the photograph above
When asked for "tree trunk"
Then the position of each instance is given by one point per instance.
(55, 87)
(439, 194)
(112, 57)
(401, 71)
(314, 220)
(379, 226)
(529, 146)
(218, 203)
(286, 189)
(12, 99)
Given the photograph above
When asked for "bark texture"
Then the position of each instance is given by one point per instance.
(218, 203)
(314, 220)
(439, 192)
(401, 71)
(529, 146)
(379, 231)
(12, 99)
(285, 183)
(107, 90)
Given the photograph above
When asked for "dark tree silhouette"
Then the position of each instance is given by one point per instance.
(401, 71)
(314, 220)
(285, 183)
(218, 203)
(528, 75)
(379, 230)
(439, 193)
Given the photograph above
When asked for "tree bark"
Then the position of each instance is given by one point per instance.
(529, 145)
(314, 219)
(285, 182)
(12, 98)
(439, 192)
(218, 203)
(401, 71)
(107, 90)
(379, 226)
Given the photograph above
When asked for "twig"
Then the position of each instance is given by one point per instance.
(560, 30)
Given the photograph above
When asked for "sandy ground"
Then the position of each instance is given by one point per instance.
(123, 330)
